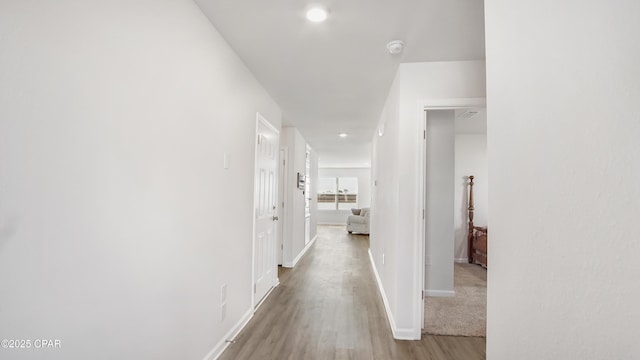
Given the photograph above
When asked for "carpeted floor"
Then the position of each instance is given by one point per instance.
(465, 314)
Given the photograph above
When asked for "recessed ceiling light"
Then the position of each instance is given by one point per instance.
(317, 14)
(343, 135)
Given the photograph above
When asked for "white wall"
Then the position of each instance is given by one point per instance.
(471, 159)
(294, 237)
(339, 217)
(564, 195)
(439, 182)
(118, 223)
(384, 206)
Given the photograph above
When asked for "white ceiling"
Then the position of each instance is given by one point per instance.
(334, 76)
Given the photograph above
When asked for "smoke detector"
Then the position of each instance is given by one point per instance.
(395, 47)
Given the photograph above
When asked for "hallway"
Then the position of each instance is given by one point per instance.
(329, 307)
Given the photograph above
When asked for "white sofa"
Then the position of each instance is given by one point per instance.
(359, 223)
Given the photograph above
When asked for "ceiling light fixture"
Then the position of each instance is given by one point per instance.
(395, 47)
(317, 14)
(343, 135)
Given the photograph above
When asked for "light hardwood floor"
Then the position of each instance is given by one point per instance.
(329, 307)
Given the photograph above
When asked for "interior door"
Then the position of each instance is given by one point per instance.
(266, 209)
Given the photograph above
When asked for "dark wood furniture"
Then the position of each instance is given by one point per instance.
(477, 237)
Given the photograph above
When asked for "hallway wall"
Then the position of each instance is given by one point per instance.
(118, 222)
(563, 89)
(396, 208)
(294, 237)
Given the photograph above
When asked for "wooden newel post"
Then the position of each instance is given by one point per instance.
(470, 234)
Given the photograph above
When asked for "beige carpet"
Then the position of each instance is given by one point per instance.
(464, 314)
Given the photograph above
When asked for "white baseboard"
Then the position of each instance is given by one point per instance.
(333, 223)
(387, 308)
(287, 264)
(461, 260)
(440, 293)
(277, 282)
(222, 345)
(406, 334)
(398, 333)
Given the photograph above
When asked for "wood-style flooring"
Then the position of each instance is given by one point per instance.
(329, 307)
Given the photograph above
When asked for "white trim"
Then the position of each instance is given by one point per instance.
(452, 103)
(440, 293)
(387, 308)
(304, 251)
(419, 245)
(283, 199)
(406, 334)
(221, 346)
(333, 223)
(287, 211)
(419, 238)
(398, 333)
(463, 260)
(266, 295)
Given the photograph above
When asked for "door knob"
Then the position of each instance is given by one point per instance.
(275, 218)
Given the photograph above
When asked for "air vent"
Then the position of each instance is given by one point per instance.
(468, 114)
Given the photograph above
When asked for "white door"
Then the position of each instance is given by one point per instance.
(266, 209)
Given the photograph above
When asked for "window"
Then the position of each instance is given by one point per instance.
(337, 193)
(327, 193)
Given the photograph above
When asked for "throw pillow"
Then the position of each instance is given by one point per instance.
(356, 211)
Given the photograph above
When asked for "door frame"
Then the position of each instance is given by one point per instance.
(282, 199)
(260, 119)
(425, 105)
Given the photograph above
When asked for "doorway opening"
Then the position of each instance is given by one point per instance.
(454, 292)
